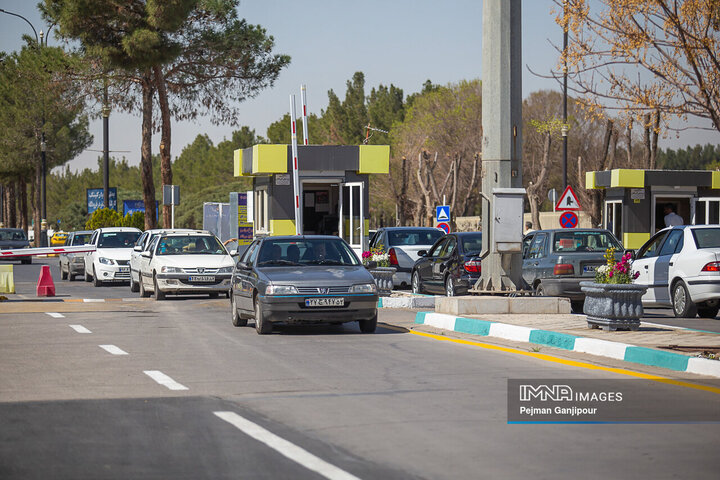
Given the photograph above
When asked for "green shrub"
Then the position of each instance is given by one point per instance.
(136, 219)
(104, 217)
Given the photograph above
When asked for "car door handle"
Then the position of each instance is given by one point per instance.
(646, 267)
(671, 264)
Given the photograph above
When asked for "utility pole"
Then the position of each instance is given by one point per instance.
(564, 129)
(501, 146)
(106, 146)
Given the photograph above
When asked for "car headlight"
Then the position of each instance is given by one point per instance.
(165, 269)
(225, 270)
(281, 290)
(106, 261)
(364, 288)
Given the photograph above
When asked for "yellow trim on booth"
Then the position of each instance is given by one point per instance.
(7, 281)
(374, 159)
(282, 227)
(237, 163)
(269, 159)
(590, 180)
(367, 227)
(633, 241)
(715, 179)
(627, 178)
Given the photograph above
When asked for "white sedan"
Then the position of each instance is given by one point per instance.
(681, 268)
(180, 263)
(109, 262)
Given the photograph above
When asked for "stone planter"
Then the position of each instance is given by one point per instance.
(613, 306)
(383, 279)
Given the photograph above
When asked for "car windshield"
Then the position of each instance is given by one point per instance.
(584, 241)
(315, 251)
(707, 237)
(190, 245)
(81, 239)
(12, 235)
(118, 239)
(472, 243)
(398, 238)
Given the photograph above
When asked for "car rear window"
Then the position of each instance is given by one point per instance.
(707, 237)
(398, 238)
(472, 243)
(12, 235)
(584, 241)
(118, 239)
(81, 239)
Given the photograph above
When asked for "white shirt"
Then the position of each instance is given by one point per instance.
(672, 219)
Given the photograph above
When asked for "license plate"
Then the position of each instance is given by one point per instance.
(324, 302)
(202, 278)
(124, 269)
(589, 268)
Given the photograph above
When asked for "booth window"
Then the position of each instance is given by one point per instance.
(707, 211)
(613, 218)
(261, 210)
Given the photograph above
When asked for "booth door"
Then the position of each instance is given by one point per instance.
(352, 215)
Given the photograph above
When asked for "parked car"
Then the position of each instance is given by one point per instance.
(556, 261)
(110, 260)
(58, 238)
(13, 239)
(141, 245)
(302, 279)
(402, 245)
(681, 268)
(187, 262)
(72, 264)
(450, 267)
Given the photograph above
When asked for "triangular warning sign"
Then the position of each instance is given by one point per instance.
(442, 213)
(568, 200)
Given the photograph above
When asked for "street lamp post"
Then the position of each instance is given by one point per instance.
(565, 80)
(106, 147)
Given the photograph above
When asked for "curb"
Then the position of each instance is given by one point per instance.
(592, 346)
(407, 302)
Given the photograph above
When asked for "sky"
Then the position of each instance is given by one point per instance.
(400, 42)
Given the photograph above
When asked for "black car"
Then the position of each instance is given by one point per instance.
(13, 239)
(451, 266)
(302, 279)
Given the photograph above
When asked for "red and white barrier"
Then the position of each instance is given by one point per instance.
(25, 252)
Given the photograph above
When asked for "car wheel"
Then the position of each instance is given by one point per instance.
(683, 306)
(134, 286)
(449, 289)
(539, 290)
(143, 292)
(63, 273)
(159, 295)
(262, 326)
(236, 320)
(71, 277)
(416, 283)
(577, 306)
(708, 312)
(96, 281)
(87, 276)
(368, 326)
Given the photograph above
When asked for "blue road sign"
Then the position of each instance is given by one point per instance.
(568, 220)
(444, 226)
(442, 213)
(96, 200)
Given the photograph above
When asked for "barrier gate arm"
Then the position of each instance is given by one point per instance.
(26, 252)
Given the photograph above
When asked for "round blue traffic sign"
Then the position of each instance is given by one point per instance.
(568, 220)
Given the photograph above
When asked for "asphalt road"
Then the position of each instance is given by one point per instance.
(172, 390)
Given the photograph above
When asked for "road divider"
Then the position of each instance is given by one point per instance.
(603, 348)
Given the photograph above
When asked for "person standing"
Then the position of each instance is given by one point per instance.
(672, 219)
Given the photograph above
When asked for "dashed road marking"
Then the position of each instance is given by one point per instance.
(79, 329)
(290, 450)
(164, 380)
(55, 314)
(93, 300)
(113, 349)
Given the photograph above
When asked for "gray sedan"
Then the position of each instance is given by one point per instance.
(302, 279)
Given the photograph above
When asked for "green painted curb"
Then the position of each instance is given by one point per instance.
(656, 358)
(553, 339)
(379, 303)
(473, 326)
(420, 317)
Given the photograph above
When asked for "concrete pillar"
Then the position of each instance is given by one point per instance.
(502, 132)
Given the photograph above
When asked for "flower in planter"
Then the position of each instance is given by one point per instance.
(377, 255)
(616, 272)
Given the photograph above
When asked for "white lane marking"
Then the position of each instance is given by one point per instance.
(113, 349)
(163, 379)
(93, 300)
(290, 450)
(79, 329)
(55, 314)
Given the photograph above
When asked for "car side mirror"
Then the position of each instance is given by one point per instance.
(422, 253)
(371, 264)
(146, 254)
(233, 253)
(243, 265)
(138, 248)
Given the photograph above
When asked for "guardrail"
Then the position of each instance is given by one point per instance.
(26, 252)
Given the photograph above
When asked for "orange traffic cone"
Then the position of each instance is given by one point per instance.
(45, 286)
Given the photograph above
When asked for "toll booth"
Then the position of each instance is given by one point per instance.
(635, 200)
(334, 187)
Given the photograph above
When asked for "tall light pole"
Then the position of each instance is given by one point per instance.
(106, 146)
(564, 128)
